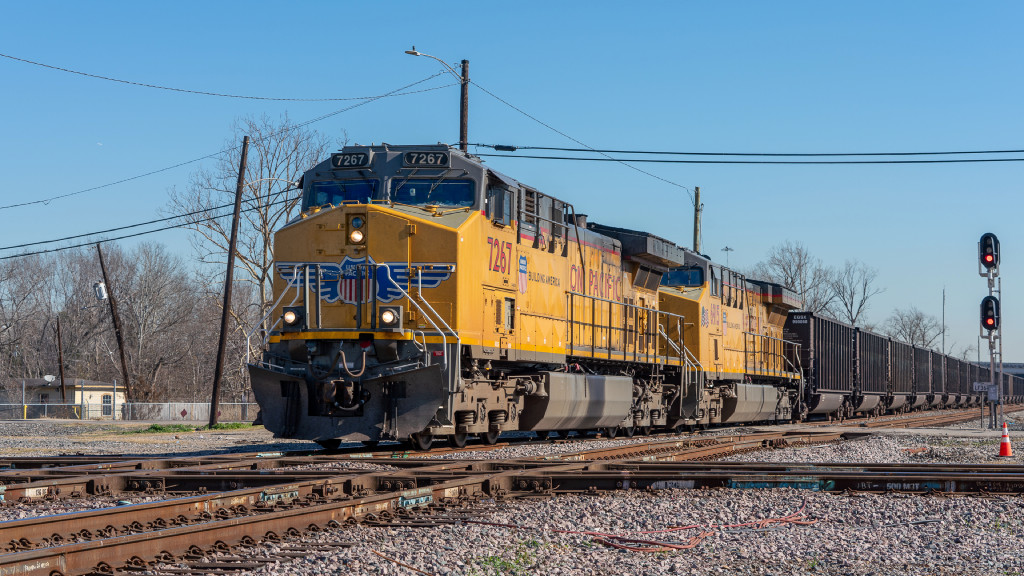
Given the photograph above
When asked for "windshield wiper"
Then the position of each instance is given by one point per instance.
(402, 183)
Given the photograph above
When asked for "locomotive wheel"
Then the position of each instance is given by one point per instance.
(563, 434)
(645, 430)
(371, 444)
(628, 431)
(611, 432)
(421, 441)
(458, 440)
(331, 444)
(490, 437)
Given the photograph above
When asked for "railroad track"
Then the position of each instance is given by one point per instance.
(213, 505)
(935, 418)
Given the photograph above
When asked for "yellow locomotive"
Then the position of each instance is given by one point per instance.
(421, 294)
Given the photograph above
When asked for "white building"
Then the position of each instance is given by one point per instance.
(82, 399)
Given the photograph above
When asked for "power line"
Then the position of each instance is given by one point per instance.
(143, 233)
(658, 161)
(589, 148)
(122, 181)
(509, 148)
(396, 92)
(157, 221)
(183, 90)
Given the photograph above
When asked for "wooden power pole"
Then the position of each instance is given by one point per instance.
(60, 365)
(117, 326)
(229, 279)
(696, 219)
(464, 108)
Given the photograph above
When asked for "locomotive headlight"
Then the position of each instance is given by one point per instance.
(357, 222)
(356, 236)
(293, 318)
(390, 317)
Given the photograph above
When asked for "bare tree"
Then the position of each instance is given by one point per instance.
(969, 353)
(158, 297)
(914, 327)
(852, 288)
(792, 265)
(278, 155)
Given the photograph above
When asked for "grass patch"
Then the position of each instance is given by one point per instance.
(524, 557)
(229, 426)
(162, 429)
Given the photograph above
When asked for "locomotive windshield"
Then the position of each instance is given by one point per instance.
(338, 191)
(688, 277)
(420, 192)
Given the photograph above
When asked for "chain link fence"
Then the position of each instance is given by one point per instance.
(150, 411)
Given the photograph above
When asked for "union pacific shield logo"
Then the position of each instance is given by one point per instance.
(522, 274)
(351, 280)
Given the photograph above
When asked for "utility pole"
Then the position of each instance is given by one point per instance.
(727, 250)
(696, 219)
(943, 319)
(117, 326)
(463, 103)
(60, 364)
(229, 279)
(464, 109)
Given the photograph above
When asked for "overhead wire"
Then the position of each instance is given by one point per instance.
(589, 148)
(182, 90)
(396, 92)
(510, 148)
(659, 161)
(144, 232)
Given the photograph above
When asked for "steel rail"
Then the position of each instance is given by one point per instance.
(417, 475)
(218, 522)
(49, 530)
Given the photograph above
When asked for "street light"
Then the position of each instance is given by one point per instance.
(463, 103)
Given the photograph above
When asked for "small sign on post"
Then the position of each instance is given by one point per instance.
(991, 389)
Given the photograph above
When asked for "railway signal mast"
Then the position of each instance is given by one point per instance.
(988, 267)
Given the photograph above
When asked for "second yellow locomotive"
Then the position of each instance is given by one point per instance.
(421, 294)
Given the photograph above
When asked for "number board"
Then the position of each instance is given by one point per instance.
(350, 160)
(426, 159)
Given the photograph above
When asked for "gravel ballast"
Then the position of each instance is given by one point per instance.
(860, 534)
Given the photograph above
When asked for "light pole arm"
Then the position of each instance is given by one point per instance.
(463, 96)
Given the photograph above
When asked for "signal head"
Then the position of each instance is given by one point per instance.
(990, 313)
(988, 250)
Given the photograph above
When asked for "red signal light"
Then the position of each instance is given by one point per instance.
(990, 313)
(988, 251)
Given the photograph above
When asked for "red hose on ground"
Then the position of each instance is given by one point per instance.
(623, 542)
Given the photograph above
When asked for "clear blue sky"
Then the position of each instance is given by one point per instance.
(742, 76)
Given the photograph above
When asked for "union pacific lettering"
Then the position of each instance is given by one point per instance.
(605, 285)
(576, 278)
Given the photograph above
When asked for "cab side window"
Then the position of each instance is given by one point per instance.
(499, 205)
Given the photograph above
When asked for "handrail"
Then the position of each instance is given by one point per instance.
(262, 320)
(679, 352)
(640, 340)
(444, 349)
(785, 360)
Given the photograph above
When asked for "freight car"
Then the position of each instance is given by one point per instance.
(849, 370)
(421, 294)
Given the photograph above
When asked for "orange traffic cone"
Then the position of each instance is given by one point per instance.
(1005, 450)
